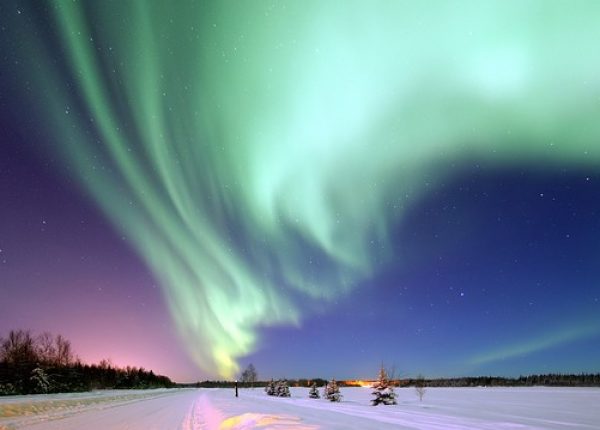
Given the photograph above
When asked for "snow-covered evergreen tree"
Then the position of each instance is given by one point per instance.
(7, 389)
(40, 381)
(270, 388)
(332, 391)
(314, 392)
(282, 388)
(384, 392)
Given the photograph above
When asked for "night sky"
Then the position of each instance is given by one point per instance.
(313, 187)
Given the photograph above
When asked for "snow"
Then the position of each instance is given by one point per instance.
(208, 409)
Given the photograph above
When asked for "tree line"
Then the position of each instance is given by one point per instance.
(47, 364)
(256, 383)
(549, 380)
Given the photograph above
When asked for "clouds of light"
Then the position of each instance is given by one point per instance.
(256, 155)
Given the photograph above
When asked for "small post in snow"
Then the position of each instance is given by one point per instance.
(236, 388)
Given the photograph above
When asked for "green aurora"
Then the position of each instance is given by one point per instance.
(252, 152)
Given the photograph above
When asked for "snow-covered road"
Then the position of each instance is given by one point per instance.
(215, 409)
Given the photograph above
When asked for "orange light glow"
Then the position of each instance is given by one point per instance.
(360, 383)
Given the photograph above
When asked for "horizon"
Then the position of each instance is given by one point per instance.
(310, 188)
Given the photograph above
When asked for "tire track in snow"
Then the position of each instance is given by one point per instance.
(203, 415)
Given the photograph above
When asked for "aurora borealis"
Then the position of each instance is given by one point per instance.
(264, 161)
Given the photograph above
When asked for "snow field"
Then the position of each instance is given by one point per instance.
(219, 409)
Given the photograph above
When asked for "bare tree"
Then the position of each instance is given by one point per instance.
(391, 374)
(249, 375)
(18, 347)
(46, 349)
(420, 387)
(105, 363)
(64, 354)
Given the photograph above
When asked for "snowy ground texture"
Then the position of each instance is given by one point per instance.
(215, 409)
